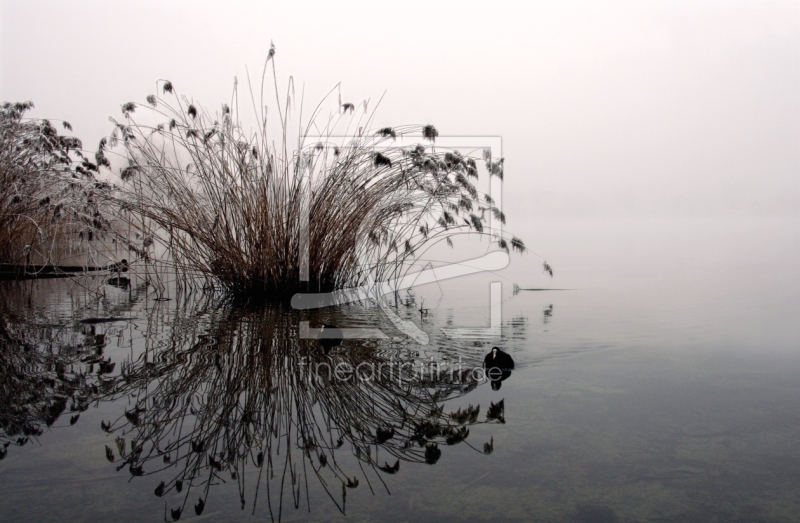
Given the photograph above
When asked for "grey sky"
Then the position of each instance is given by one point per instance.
(631, 109)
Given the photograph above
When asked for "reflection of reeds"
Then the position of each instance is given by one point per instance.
(232, 398)
(36, 385)
(235, 208)
(48, 366)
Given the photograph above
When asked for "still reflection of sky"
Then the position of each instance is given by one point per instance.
(664, 384)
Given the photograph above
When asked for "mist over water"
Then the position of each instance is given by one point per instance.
(661, 384)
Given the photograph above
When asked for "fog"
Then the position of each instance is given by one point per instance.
(651, 157)
(619, 110)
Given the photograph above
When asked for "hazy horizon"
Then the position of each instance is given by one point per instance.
(622, 110)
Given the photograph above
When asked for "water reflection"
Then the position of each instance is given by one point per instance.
(329, 337)
(219, 392)
(547, 314)
(242, 392)
(49, 364)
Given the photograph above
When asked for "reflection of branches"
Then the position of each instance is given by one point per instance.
(234, 393)
(36, 386)
(48, 366)
(223, 393)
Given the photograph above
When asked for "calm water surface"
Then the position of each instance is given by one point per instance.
(663, 385)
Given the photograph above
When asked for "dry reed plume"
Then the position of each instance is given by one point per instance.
(51, 205)
(209, 199)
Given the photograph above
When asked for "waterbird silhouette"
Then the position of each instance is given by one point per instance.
(329, 337)
(498, 366)
(498, 359)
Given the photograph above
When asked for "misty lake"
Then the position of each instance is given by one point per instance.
(661, 384)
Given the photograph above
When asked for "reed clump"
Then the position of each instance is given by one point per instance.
(254, 213)
(51, 204)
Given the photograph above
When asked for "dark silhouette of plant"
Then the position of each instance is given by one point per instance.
(51, 204)
(258, 217)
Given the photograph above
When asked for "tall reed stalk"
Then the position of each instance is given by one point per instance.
(242, 210)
